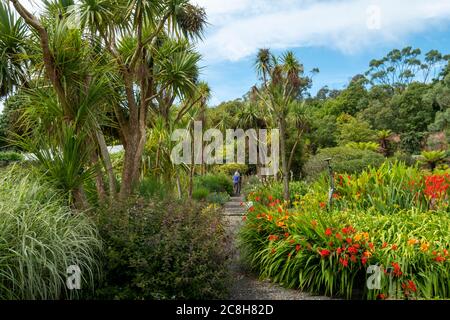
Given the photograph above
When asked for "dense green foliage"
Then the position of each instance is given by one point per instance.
(164, 250)
(394, 217)
(10, 156)
(344, 159)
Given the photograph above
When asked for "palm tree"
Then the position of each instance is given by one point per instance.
(284, 85)
(136, 78)
(13, 50)
(383, 139)
(433, 158)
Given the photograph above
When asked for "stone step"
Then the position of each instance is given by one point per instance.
(233, 205)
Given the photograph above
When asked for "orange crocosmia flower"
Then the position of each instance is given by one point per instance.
(358, 237)
(270, 198)
(322, 205)
(298, 247)
(244, 218)
(384, 245)
(367, 254)
(445, 252)
(280, 209)
(439, 259)
(280, 223)
(272, 204)
(371, 246)
(291, 241)
(424, 246)
(314, 223)
(269, 217)
(257, 198)
(349, 240)
(366, 235)
(286, 234)
(338, 236)
(412, 242)
(394, 247)
(273, 237)
(328, 232)
(251, 209)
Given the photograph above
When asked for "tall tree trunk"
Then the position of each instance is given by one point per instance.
(284, 164)
(98, 178)
(107, 163)
(80, 199)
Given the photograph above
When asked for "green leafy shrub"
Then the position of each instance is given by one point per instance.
(344, 160)
(149, 187)
(41, 237)
(214, 183)
(371, 146)
(164, 250)
(10, 156)
(218, 197)
(200, 193)
(231, 168)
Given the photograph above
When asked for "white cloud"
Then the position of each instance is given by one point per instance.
(239, 27)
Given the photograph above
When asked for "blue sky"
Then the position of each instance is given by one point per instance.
(339, 37)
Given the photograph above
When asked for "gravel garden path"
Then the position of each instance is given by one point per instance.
(247, 286)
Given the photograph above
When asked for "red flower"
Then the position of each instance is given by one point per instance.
(324, 253)
(344, 262)
(286, 235)
(384, 245)
(277, 201)
(322, 205)
(251, 209)
(273, 237)
(371, 246)
(352, 250)
(298, 247)
(257, 198)
(394, 247)
(270, 198)
(439, 259)
(381, 296)
(349, 240)
(328, 232)
(289, 255)
(338, 250)
(338, 236)
(280, 210)
(364, 260)
(244, 218)
(397, 270)
(353, 258)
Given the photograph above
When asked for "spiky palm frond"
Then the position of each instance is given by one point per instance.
(13, 50)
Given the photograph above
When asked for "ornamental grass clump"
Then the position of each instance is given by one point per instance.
(40, 237)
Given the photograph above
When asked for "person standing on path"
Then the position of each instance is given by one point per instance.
(237, 183)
